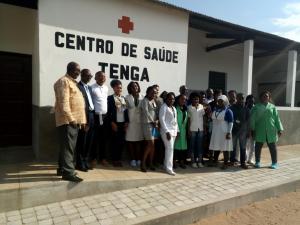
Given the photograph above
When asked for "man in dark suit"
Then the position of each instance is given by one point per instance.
(85, 136)
(182, 91)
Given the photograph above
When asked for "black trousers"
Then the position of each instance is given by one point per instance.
(84, 143)
(98, 148)
(180, 155)
(67, 136)
(118, 142)
(226, 155)
(272, 149)
(159, 151)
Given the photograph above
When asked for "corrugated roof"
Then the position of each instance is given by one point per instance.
(194, 16)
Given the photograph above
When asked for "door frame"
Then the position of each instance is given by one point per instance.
(28, 57)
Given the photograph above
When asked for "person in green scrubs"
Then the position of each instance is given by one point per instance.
(266, 127)
(180, 145)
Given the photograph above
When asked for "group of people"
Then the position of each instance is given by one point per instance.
(94, 126)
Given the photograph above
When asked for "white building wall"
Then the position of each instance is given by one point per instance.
(154, 26)
(17, 28)
(227, 60)
(19, 34)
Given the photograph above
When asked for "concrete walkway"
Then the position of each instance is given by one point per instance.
(34, 174)
(179, 201)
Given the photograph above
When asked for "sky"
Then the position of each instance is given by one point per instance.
(280, 17)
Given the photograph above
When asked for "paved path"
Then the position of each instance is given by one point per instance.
(140, 204)
(27, 175)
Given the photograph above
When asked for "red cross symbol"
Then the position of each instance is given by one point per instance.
(125, 24)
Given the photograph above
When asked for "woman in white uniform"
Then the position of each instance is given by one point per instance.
(169, 130)
(222, 124)
(134, 134)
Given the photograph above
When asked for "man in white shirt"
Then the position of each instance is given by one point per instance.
(99, 96)
(209, 95)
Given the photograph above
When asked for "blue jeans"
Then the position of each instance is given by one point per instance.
(240, 138)
(196, 148)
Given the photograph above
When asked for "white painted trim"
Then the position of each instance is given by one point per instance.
(285, 108)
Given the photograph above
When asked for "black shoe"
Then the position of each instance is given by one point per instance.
(83, 169)
(143, 169)
(224, 166)
(175, 165)
(183, 166)
(73, 178)
(86, 165)
(59, 172)
(213, 164)
(152, 168)
(244, 166)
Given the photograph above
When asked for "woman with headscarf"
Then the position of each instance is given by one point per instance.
(222, 123)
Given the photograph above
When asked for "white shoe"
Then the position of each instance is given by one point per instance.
(138, 163)
(172, 173)
(133, 163)
(194, 165)
(251, 162)
(200, 165)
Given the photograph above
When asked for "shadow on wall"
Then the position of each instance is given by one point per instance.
(16, 154)
(45, 139)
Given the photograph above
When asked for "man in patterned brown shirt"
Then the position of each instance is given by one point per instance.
(70, 117)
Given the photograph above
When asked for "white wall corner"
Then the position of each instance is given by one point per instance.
(247, 67)
(291, 78)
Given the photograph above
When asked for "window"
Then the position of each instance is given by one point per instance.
(217, 80)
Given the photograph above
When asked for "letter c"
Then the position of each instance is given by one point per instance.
(57, 36)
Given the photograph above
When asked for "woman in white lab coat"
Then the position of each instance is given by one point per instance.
(169, 130)
(221, 139)
(134, 133)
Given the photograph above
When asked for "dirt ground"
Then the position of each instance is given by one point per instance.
(283, 210)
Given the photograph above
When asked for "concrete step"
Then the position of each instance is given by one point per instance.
(19, 198)
(175, 202)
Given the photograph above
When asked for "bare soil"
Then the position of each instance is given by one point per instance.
(282, 210)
